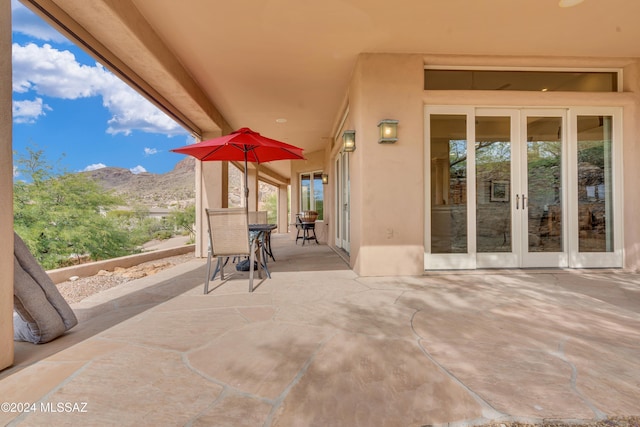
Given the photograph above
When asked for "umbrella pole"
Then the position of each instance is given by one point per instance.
(246, 186)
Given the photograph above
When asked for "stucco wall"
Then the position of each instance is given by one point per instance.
(387, 181)
(631, 136)
(628, 100)
(6, 190)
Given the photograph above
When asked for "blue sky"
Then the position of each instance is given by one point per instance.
(73, 109)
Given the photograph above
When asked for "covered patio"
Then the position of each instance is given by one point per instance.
(319, 345)
(383, 338)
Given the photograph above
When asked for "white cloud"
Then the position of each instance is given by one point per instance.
(25, 22)
(94, 167)
(132, 112)
(150, 151)
(15, 171)
(28, 111)
(56, 73)
(138, 169)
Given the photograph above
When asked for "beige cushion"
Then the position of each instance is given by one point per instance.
(42, 314)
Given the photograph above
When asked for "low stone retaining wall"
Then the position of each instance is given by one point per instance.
(89, 269)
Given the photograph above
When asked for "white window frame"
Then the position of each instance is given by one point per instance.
(570, 256)
(312, 200)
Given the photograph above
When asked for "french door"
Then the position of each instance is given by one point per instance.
(522, 188)
(342, 202)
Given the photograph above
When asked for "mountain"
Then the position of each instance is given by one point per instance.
(174, 188)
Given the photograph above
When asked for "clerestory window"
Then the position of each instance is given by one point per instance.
(521, 80)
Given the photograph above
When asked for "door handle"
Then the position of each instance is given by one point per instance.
(517, 201)
(524, 199)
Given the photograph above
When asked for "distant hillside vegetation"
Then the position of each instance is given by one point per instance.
(172, 189)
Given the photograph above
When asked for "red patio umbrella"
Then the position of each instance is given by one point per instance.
(242, 145)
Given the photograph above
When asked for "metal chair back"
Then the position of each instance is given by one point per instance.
(229, 237)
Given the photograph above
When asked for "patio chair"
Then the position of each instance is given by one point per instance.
(306, 224)
(259, 217)
(298, 225)
(229, 237)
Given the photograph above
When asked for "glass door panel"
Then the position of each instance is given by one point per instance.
(318, 195)
(595, 235)
(493, 184)
(305, 192)
(595, 190)
(346, 206)
(338, 202)
(448, 184)
(543, 198)
(544, 184)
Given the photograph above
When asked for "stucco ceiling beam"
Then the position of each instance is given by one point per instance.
(265, 174)
(271, 177)
(140, 30)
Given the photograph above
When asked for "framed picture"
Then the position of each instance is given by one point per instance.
(499, 191)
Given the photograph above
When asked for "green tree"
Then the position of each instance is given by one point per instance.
(271, 206)
(62, 216)
(139, 225)
(184, 219)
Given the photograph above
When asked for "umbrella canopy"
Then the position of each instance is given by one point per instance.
(242, 145)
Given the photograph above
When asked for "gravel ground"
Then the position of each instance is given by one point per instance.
(77, 290)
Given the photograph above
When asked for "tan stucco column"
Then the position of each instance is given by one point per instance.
(6, 190)
(212, 190)
(283, 208)
(295, 194)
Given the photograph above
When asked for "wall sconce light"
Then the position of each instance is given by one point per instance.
(388, 131)
(349, 141)
(325, 178)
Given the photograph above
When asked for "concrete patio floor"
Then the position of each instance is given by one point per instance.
(316, 345)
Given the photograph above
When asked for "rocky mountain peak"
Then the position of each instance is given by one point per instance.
(175, 188)
(172, 189)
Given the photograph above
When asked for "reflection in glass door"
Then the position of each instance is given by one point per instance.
(596, 239)
(542, 197)
(543, 183)
(496, 186)
(448, 184)
(595, 192)
(493, 184)
(519, 176)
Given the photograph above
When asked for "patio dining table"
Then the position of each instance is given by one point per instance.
(263, 232)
